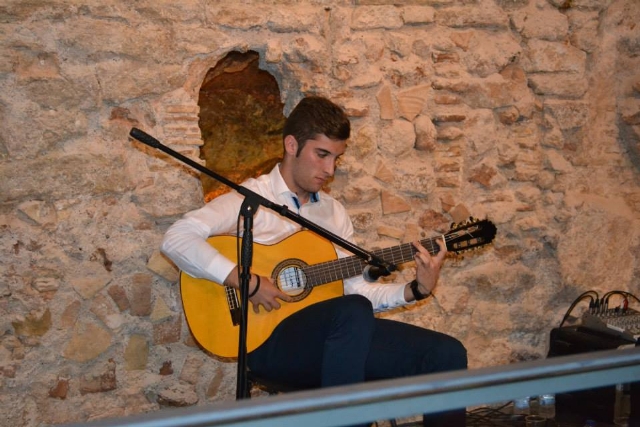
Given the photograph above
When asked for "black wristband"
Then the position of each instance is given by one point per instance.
(416, 292)
(255, 291)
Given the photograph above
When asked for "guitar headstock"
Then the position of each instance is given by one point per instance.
(470, 234)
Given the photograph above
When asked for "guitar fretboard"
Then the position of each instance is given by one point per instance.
(342, 268)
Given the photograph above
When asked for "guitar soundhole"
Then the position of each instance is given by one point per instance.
(292, 280)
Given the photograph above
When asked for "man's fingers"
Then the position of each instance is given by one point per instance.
(284, 297)
(443, 247)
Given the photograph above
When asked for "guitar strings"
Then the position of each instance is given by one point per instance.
(352, 266)
(334, 270)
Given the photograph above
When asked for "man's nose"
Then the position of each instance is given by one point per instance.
(330, 167)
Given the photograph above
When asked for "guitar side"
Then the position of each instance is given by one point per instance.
(205, 302)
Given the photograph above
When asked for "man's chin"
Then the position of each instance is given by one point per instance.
(317, 187)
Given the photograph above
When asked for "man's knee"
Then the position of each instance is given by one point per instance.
(356, 311)
(453, 355)
(458, 355)
(358, 302)
(448, 355)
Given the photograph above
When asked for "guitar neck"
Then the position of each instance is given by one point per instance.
(351, 266)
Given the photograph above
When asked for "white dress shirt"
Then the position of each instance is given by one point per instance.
(185, 241)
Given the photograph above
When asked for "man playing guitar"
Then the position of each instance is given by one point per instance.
(337, 340)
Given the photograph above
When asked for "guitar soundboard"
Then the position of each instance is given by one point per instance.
(624, 323)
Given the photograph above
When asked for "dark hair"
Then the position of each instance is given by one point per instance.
(315, 116)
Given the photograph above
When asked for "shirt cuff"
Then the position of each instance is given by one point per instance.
(219, 268)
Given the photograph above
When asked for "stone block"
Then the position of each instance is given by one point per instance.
(397, 138)
(70, 315)
(426, 134)
(119, 296)
(412, 15)
(295, 19)
(102, 307)
(559, 85)
(140, 295)
(376, 17)
(447, 165)
(160, 311)
(163, 267)
(584, 29)
(384, 174)
(92, 279)
(178, 395)
(46, 284)
(60, 390)
(166, 368)
(447, 201)
(412, 101)
(459, 213)
(385, 103)
(544, 56)
(393, 204)
(39, 211)
(432, 220)
(364, 142)
(568, 114)
(236, 16)
(384, 230)
(449, 133)
(544, 24)
(362, 220)
(489, 15)
(100, 381)
(629, 109)
(88, 341)
(361, 192)
(124, 79)
(448, 181)
(214, 385)
(557, 163)
(136, 354)
(191, 369)
(34, 324)
(168, 331)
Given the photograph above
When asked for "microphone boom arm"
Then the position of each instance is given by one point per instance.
(283, 210)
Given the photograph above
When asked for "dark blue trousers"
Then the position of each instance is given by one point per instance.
(340, 342)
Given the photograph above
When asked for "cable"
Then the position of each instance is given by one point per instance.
(626, 295)
(592, 304)
(490, 417)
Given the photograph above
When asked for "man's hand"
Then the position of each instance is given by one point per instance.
(428, 267)
(267, 296)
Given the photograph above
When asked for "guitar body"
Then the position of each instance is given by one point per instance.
(206, 303)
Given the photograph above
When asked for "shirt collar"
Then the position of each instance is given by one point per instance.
(280, 188)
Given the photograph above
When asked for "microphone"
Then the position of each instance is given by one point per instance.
(372, 273)
(144, 137)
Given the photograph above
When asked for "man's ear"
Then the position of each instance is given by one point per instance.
(291, 145)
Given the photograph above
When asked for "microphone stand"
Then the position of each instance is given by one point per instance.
(248, 209)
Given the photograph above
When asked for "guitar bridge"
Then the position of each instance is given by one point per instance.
(234, 305)
(236, 315)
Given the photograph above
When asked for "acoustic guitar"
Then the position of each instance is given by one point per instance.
(298, 265)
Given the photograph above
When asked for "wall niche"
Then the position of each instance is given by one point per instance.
(241, 121)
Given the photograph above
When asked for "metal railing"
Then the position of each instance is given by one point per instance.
(339, 406)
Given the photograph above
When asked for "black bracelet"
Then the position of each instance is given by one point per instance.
(255, 291)
(416, 292)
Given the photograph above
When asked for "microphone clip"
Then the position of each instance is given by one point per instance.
(373, 272)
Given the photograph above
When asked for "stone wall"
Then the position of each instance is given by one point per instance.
(522, 111)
